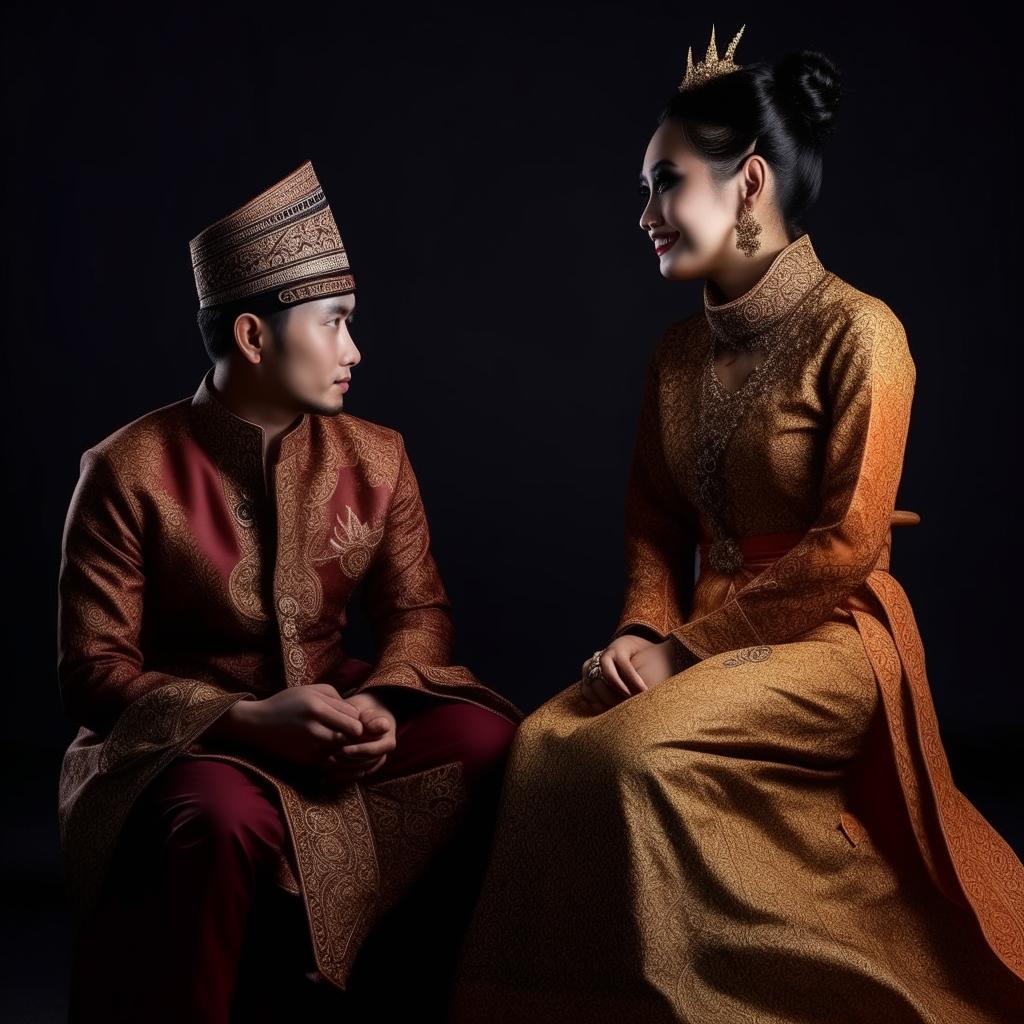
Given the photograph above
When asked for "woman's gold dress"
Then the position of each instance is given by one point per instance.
(773, 834)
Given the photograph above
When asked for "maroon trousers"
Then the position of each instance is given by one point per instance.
(190, 928)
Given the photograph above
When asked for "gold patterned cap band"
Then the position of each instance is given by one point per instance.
(282, 246)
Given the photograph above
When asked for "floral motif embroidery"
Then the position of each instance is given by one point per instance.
(355, 542)
(759, 653)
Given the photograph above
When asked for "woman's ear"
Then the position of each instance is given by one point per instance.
(756, 178)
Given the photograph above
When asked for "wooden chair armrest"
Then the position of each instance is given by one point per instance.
(903, 517)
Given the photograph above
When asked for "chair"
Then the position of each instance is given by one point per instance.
(905, 518)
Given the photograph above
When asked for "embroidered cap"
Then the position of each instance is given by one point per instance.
(282, 246)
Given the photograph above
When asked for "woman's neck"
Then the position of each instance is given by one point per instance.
(744, 272)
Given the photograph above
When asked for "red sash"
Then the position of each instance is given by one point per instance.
(760, 547)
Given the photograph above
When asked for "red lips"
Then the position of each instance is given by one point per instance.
(663, 243)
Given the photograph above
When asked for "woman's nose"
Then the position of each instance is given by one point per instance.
(650, 217)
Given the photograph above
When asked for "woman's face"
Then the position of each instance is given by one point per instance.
(690, 218)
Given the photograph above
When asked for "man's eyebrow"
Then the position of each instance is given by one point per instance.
(337, 306)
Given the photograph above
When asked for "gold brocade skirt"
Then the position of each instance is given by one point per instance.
(681, 857)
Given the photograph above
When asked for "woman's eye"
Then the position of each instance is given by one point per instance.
(660, 185)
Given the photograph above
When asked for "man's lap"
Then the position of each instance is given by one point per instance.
(228, 797)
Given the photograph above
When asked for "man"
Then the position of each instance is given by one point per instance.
(234, 765)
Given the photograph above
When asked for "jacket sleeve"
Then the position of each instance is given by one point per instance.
(101, 586)
(661, 532)
(406, 602)
(870, 380)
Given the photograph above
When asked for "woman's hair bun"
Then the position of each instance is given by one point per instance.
(807, 90)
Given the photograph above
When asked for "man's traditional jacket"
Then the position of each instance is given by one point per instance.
(189, 581)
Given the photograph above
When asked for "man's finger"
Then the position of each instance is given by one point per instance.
(331, 693)
(324, 735)
(381, 746)
(330, 716)
(346, 707)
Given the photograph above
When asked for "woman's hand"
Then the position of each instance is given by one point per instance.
(629, 665)
(659, 662)
(359, 758)
(619, 678)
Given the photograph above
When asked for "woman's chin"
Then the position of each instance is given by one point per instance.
(676, 269)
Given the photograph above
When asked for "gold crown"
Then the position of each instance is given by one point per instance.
(711, 66)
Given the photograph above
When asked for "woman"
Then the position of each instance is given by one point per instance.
(743, 811)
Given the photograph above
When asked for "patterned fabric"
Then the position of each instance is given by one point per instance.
(188, 584)
(283, 242)
(773, 834)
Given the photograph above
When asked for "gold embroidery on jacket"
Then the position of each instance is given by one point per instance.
(299, 595)
(355, 542)
(355, 849)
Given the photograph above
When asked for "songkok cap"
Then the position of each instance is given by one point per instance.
(282, 247)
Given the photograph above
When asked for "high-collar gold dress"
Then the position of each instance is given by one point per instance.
(773, 834)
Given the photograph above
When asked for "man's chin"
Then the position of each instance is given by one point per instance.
(326, 408)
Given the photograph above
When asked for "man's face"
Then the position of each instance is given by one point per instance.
(312, 363)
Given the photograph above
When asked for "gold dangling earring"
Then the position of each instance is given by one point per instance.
(747, 230)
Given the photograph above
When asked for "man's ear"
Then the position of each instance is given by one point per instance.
(249, 336)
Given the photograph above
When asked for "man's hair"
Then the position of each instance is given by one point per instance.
(217, 325)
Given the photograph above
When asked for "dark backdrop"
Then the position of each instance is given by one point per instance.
(481, 164)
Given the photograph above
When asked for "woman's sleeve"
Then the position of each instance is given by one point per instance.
(661, 531)
(871, 385)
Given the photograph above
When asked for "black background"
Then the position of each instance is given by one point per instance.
(481, 163)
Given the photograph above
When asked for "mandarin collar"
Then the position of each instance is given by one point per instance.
(746, 321)
(235, 443)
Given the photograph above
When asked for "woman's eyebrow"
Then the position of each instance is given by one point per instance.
(663, 162)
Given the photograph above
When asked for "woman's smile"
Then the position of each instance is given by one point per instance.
(662, 243)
